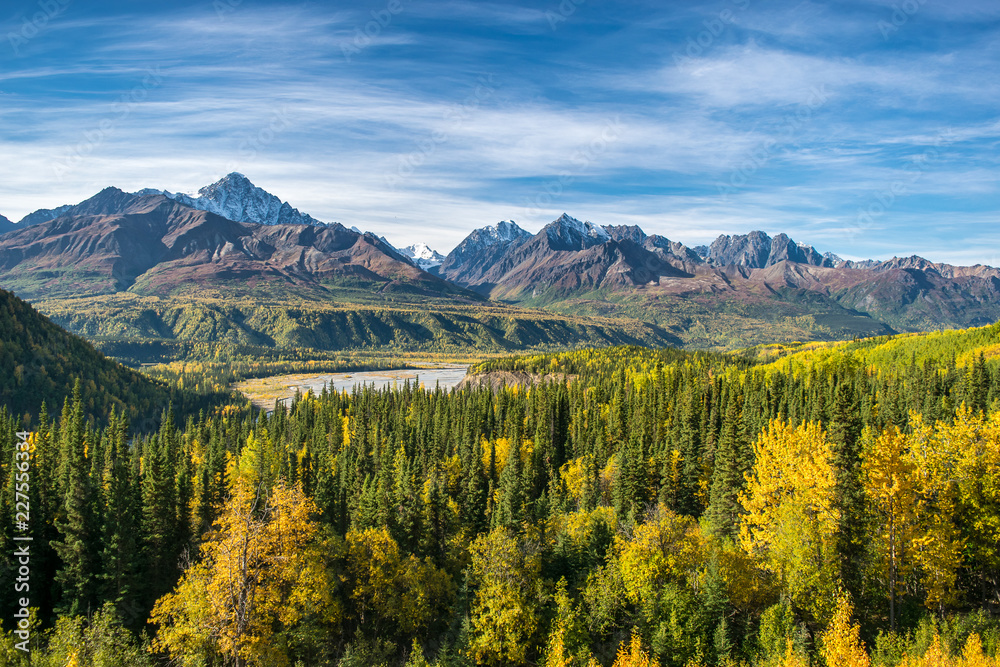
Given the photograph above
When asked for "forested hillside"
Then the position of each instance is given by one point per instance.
(124, 322)
(955, 347)
(640, 507)
(39, 362)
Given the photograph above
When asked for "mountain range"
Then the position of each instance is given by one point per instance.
(571, 264)
(234, 240)
(147, 243)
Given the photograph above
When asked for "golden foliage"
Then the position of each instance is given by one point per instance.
(889, 477)
(791, 520)
(260, 570)
(505, 614)
(842, 646)
(388, 587)
(669, 547)
(792, 658)
(633, 655)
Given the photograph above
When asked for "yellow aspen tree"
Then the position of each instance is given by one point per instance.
(889, 478)
(792, 658)
(260, 571)
(972, 654)
(555, 654)
(634, 655)
(667, 548)
(388, 588)
(505, 609)
(937, 544)
(567, 634)
(791, 519)
(935, 656)
(842, 646)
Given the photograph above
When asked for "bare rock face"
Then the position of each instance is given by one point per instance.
(750, 250)
(567, 255)
(757, 250)
(43, 215)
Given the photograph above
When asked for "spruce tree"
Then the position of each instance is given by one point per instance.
(845, 434)
(77, 575)
(119, 536)
(731, 464)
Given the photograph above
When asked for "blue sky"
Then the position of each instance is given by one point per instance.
(867, 128)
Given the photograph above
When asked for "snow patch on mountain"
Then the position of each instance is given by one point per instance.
(568, 233)
(585, 228)
(503, 232)
(493, 240)
(44, 215)
(423, 256)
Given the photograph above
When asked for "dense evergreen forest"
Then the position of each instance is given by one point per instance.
(634, 507)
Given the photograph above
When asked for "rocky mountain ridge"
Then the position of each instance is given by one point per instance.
(151, 244)
(571, 264)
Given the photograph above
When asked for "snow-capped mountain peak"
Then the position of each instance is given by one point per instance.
(422, 255)
(568, 233)
(495, 239)
(236, 198)
(505, 231)
(585, 228)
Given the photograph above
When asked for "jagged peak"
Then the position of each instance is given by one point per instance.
(632, 233)
(234, 196)
(505, 230)
(422, 255)
(231, 179)
(571, 224)
(422, 251)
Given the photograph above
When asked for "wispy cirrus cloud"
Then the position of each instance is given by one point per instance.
(265, 88)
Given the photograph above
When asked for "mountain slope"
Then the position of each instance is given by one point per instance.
(479, 251)
(40, 362)
(566, 256)
(6, 225)
(121, 268)
(961, 347)
(757, 250)
(484, 328)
